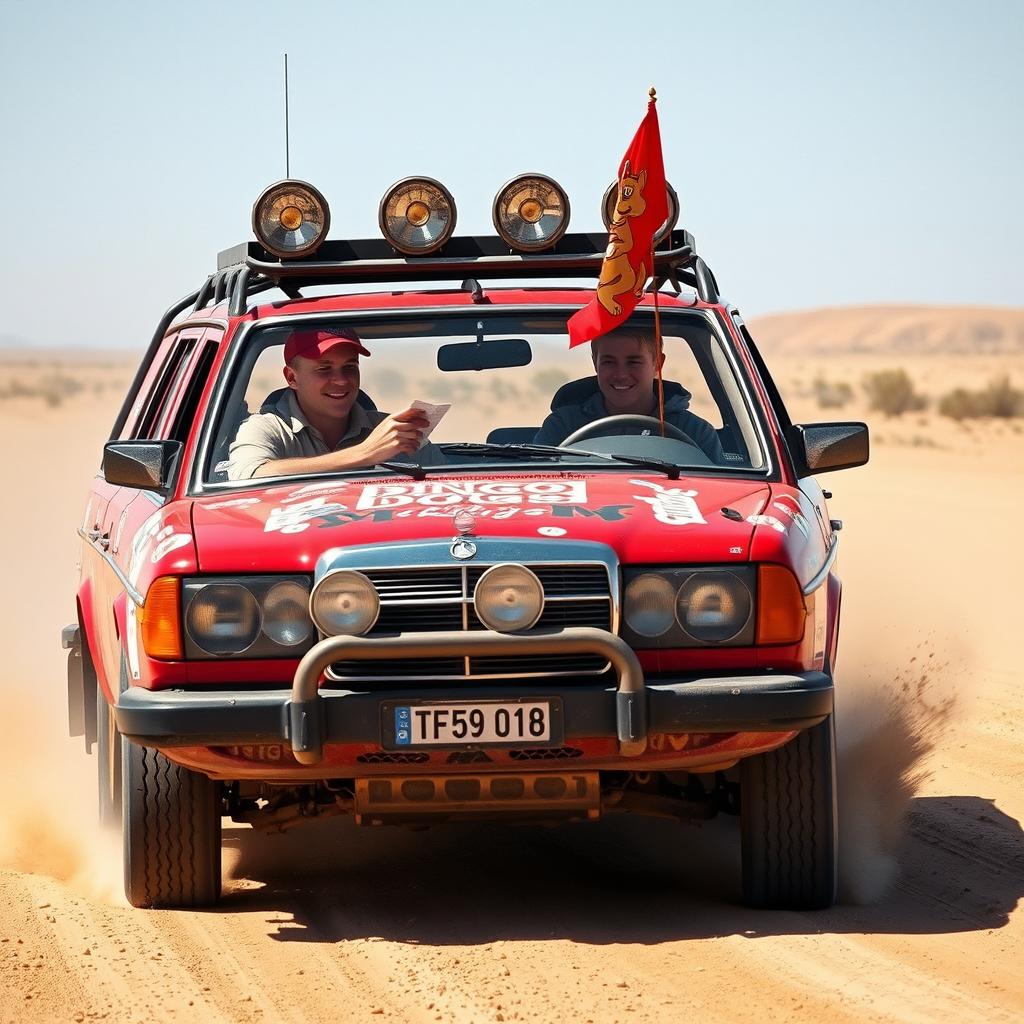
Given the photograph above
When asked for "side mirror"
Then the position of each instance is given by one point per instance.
(484, 355)
(823, 447)
(148, 465)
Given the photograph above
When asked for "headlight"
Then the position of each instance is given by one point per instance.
(531, 212)
(508, 598)
(344, 603)
(291, 218)
(417, 216)
(286, 614)
(648, 607)
(248, 617)
(713, 606)
(683, 606)
(223, 618)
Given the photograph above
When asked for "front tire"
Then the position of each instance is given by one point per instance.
(788, 823)
(171, 832)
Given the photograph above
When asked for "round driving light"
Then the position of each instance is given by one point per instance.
(649, 604)
(611, 198)
(531, 212)
(508, 598)
(291, 219)
(223, 618)
(417, 215)
(713, 607)
(286, 614)
(344, 603)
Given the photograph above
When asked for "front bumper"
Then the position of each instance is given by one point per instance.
(307, 717)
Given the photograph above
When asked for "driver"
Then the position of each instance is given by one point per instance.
(627, 363)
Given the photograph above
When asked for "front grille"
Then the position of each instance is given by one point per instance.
(395, 757)
(440, 598)
(545, 754)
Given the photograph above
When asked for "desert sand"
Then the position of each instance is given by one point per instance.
(627, 920)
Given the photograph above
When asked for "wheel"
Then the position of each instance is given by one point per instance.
(627, 424)
(171, 832)
(108, 763)
(788, 823)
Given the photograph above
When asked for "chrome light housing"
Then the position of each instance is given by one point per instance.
(531, 212)
(417, 216)
(611, 197)
(508, 598)
(649, 605)
(246, 617)
(713, 607)
(344, 603)
(223, 619)
(291, 219)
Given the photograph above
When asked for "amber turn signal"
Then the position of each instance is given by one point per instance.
(160, 619)
(781, 612)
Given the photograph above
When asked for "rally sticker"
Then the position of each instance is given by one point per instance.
(763, 520)
(440, 493)
(799, 521)
(672, 505)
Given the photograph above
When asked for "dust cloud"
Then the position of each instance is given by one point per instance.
(889, 720)
(49, 825)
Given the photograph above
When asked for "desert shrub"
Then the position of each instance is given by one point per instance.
(547, 382)
(503, 391)
(389, 383)
(998, 399)
(831, 394)
(892, 392)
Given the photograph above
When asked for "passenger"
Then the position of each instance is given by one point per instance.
(627, 364)
(316, 426)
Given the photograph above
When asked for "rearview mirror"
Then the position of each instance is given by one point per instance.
(484, 355)
(148, 465)
(824, 447)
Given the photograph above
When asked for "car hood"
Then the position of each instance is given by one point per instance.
(643, 517)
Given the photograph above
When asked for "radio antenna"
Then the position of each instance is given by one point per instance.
(287, 162)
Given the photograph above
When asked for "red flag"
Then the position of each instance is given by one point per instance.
(640, 209)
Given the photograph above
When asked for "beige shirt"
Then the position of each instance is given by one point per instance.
(285, 433)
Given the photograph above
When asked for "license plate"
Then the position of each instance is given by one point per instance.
(472, 724)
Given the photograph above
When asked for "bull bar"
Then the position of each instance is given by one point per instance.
(307, 717)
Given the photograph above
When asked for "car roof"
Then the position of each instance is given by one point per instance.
(447, 298)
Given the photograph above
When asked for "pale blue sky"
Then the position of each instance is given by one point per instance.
(824, 153)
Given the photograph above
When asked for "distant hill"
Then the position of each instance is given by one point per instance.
(893, 330)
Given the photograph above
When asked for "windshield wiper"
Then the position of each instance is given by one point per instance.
(670, 469)
(413, 469)
(508, 451)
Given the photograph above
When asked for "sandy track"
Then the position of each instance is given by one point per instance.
(629, 920)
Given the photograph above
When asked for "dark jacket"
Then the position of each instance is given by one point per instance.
(567, 418)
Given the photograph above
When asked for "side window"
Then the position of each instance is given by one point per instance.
(769, 384)
(163, 389)
(182, 418)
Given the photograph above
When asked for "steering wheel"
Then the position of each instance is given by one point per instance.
(628, 424)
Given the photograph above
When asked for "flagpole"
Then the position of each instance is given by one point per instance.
(657, 321)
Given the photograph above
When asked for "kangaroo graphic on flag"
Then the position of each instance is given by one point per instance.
(617, 274)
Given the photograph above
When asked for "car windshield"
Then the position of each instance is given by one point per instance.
(517, 393)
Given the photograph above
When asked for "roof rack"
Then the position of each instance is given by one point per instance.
(248, 268)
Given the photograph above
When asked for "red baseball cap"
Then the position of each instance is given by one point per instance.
(313, 342)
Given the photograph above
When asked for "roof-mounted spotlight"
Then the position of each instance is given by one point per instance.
(417, 216)
(611, 197)
(291, 219)
(531, 212)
